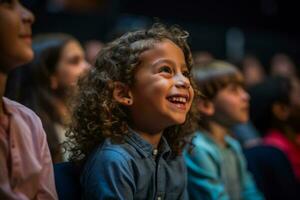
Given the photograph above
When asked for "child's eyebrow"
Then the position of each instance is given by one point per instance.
(163, 60)
(171, 62)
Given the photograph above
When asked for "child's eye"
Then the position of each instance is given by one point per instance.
(232, 87)
(74, 60)
(235, 88)
(166, 69)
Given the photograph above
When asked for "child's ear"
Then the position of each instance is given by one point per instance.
(122, 93)
(281, 111)
(205, 107)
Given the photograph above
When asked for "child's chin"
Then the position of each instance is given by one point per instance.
(243, 121)
(179, 121)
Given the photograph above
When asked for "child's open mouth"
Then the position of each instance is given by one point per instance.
(179, 101)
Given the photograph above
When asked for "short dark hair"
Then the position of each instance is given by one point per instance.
(214, 76)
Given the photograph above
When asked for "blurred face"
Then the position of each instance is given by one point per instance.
(92, 48)
(162, 94)
(15, 34)
(70, 66)
(282, 65)
(231, 105)
(253, 72)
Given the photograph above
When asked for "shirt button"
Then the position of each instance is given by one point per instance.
(155, 151)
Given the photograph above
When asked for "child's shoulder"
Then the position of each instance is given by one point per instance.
(113, 152)
(233, 143)
(202, 140)
(108, 156)
(203, 143)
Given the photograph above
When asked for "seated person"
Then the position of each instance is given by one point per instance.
(215, 162)
(26, 170)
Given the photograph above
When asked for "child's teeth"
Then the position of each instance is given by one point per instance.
(179, 99)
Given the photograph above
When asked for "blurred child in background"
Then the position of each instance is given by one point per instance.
(275, 112)
(48, 82)
(216, 165)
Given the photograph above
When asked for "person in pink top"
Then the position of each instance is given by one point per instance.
(26, 170)
(275, 111)
(288, 145)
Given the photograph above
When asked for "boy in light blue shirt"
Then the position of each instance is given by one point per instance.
(216, 165)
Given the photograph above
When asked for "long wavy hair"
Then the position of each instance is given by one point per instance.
(30, 85)
(96, 115)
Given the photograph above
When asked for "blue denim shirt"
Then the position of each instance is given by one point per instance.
(205, 168)
(131, 171)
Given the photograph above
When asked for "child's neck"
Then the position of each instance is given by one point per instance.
(218, 133)
(153, 137)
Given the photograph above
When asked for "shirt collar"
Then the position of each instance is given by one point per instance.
(228, 139)
(144, 147)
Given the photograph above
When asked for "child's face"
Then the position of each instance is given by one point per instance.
(70, 66)
(162, 93)
(15, 34)
(231, 105)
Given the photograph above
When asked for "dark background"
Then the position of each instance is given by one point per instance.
(267, 26)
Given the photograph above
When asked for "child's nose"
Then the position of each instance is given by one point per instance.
(245, 95)
(183, 82)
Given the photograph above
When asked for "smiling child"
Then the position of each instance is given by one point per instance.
(132, 115)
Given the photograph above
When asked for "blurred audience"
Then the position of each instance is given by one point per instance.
(216, 164)
(275, 112)
(246, 134)
(253, 71)
(282, 65)
(92, 48)
(202, 57)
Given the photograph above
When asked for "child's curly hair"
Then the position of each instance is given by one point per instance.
(96, 115)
